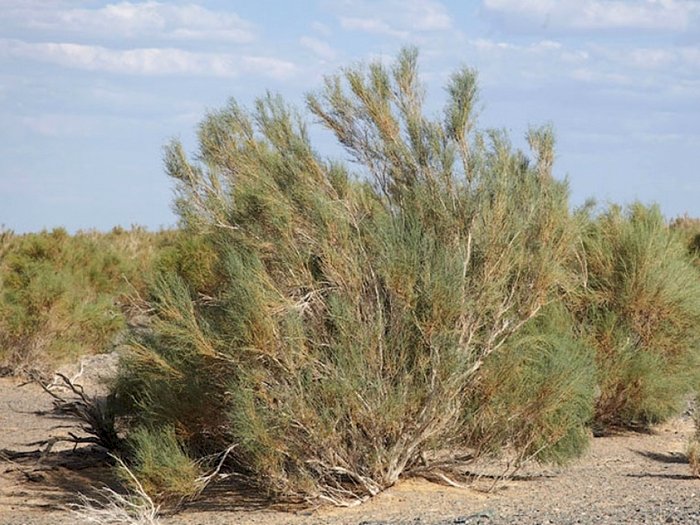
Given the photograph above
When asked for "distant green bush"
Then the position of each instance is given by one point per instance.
(334, 327)
(641, 312)
(63, 295)
(689, 230)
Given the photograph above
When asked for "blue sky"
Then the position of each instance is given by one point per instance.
(90, 91)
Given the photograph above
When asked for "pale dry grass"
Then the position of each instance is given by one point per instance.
(134, 508)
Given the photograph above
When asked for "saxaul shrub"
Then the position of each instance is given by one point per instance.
(641, 313)
(330, 326)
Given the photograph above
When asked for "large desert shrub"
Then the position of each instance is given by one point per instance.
(331, 325)
(63, 295)
(642, 314)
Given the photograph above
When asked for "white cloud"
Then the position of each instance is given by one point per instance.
(268, 66)
(649, 58)
(57, 125)
(149, 19)
(123, 98)
(422, 15)
(599, 14)
(395, 18)
(321, 48)
(642, 70)
(321, 28)
(146, 61)
(600, 78)
(141, 61)
(682, 60)
(484, 44)
(371, 25)
(575, 56)
(691, 55)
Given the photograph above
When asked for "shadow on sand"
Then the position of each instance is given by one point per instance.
(671, 457)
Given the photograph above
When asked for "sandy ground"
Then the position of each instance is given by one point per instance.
(629, 478)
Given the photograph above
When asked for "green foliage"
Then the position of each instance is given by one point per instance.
(642, 314)
(689, 230)
(161, 466)
(537, 395)
(62, 296)
(334, 326)
(174, 372)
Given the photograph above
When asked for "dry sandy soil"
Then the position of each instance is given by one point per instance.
(629, 478)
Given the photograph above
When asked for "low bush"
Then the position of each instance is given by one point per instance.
(63, 295)
(161, 465)
(689, 230)
(333, 326)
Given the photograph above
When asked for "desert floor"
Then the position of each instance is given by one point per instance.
(627, 478)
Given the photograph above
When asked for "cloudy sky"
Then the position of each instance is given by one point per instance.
(90, 91)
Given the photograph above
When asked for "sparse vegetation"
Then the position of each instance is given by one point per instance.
(689, 230)
(62, 296)
(114, 508)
